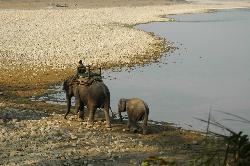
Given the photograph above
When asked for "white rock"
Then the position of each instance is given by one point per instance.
(3, 131)
(72, 136)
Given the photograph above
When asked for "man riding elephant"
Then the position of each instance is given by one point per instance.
(89, 90)
(81, 70)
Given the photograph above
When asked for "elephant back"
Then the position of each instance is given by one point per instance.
(87, 81)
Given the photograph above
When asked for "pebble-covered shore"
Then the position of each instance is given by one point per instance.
(28, 141)
(58, 38)
(32, 137)
(36, 133)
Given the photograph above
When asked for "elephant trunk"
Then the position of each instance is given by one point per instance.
(65, 85)
(88, 71)
(121, 107)
(100, 71)
(120, 116)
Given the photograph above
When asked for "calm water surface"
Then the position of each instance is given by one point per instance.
(209, 71)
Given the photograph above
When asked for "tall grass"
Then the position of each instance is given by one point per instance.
(230, 150)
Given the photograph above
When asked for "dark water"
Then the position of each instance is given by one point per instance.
(209, 71)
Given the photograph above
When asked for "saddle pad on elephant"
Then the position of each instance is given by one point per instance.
(85, 81)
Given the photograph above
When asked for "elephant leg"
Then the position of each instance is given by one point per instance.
(145, 124)
(77, 106)
(91, 109)
(81, 109)
(135, 128)
(132, 125)
(68, 107)
(77, 101)
(106, 112)
(129, 125)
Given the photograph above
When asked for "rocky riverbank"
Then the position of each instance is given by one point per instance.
(29, 136)
(41, 47)
(34, 42)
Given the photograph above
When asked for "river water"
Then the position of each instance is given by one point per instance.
(209, 72)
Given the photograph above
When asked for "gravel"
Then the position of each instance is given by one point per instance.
(51, 138)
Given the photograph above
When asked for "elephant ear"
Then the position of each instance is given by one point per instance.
(122, 105)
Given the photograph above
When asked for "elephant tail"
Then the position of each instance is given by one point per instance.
(145, 118)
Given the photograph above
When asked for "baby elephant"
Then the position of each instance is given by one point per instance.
(137, 110)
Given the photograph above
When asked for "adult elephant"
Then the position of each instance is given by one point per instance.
(93, 93)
